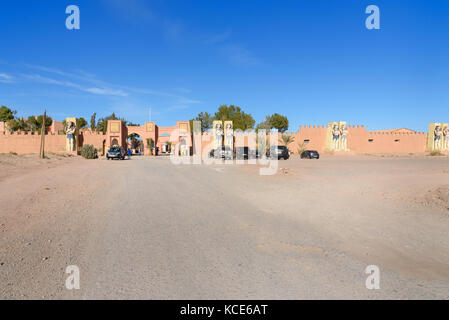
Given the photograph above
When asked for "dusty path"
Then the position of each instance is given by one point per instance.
(146, 229)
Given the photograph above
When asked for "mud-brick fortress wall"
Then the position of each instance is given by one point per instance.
(22, 143)
(97, 139)
(28, 143)
(361, 140)
(314, 137)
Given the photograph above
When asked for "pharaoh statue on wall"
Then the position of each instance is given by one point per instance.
(229, 134)
(218, 134)
(70, 130)
(438, 132)
(438, 136)
(343, 138)
(337, 136)
(446, 138)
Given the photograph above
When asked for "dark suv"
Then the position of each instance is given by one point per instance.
(279, 152)
(310, 154)
(116, 153)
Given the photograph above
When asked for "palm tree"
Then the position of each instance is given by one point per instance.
(301, 148)
(286, 140)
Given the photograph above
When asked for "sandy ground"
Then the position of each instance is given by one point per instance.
(147, 229)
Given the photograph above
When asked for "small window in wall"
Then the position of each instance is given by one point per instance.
(370, 140)
(397, 140)
(306, 141)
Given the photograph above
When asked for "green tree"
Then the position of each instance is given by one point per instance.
(275, 121)
(16, 125)
(32, 123)
(241, 120)
(82, 123)
(206, 121)
(6, 114)
(279, 122)
(135, 140)
(93, 123)
(265, 125)
(102, 125)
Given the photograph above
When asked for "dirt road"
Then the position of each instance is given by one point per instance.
(146, 229)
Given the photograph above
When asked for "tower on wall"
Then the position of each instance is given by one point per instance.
(115, 134)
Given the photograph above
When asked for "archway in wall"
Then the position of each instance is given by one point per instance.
(114, 143)
(164, 143)
(135, 143)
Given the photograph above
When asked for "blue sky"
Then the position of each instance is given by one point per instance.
(313, 61)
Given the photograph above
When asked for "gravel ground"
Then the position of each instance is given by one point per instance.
(147, 229)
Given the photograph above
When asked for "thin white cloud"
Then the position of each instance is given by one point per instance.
(239, 55)
(187, 101)
(217, 38)
(46, 69)
(41, 79)
(99, 91)
(107, 92)
(5, 78)
(183, 90)
(176, 107)
(87, 82)
(135, 11)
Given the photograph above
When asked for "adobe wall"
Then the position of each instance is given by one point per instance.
(25, 144)
(361, 140)
(2, 127)
(314, 137)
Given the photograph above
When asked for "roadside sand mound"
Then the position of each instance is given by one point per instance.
(438, 197)
(12, 164)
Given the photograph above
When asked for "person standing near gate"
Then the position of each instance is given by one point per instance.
(129, 154)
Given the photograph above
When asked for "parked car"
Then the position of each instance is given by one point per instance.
(310, 154)
(279, 152)
(116, 153)
(222, 153)
(242, 153)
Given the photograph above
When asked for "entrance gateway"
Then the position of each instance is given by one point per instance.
(152, 136)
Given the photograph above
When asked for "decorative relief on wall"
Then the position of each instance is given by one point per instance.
(218, 133)
(150, 127)
(229, 134)
(183, 127)
(71, 132)
(337, 136)
(115, 127)
(438, 136)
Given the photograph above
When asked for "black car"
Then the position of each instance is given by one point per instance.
(310, 154)
(242, 153)
(222, 153)
(279, 152)
(116, 153)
